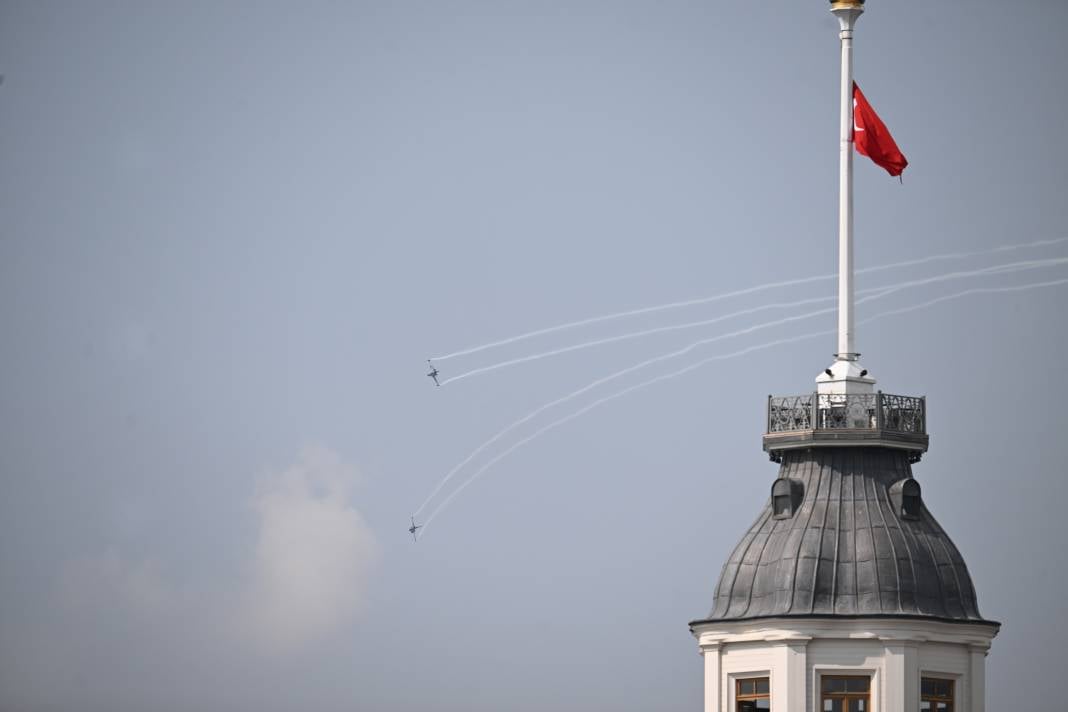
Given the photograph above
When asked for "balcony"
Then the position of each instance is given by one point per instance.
(844, 420)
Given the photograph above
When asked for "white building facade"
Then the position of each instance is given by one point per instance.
(883, 664)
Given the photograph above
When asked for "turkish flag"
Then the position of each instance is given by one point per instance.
(872, 138)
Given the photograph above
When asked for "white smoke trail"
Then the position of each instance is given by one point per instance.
(741, 292)
(613, 376)
(995, 269)
(966, 292)
(567, 418)
(875, 293)
(630, 389)
(600, 401)
(630, 369)
(632, 335)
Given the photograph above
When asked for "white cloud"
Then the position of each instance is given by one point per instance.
(303, 581)
(313, 554)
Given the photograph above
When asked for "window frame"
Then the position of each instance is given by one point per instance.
(847, 696)
(739, 697)
(951, 699)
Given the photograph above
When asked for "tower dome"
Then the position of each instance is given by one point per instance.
(845, 533)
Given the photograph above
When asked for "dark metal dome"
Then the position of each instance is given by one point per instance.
(849, 536)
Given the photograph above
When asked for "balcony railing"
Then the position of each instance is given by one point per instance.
(854, 411)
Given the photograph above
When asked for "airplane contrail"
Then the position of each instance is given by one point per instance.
(875, 293)
(594, 384)
(966, 292)
(632, 335)
(623, 372)
(630, 389)
(740, 292)
(996, 269)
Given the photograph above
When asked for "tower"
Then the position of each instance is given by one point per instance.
(845, 595)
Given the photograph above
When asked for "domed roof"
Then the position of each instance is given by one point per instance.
(845, 534)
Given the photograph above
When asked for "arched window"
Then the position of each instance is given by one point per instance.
(907, 498)
(910, 499)
(782, 499)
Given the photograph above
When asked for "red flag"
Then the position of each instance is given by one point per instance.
(871, 137)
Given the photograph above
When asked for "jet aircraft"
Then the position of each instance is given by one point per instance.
(433, 373)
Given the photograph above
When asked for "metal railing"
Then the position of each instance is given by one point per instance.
(853, 411)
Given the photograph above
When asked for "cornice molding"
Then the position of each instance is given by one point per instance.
(783, 631)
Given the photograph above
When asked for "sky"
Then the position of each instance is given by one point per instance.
(231, 234)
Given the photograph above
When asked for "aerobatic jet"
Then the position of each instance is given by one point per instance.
(413, 529)
(433, 373)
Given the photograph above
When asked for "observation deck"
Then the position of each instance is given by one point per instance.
(846, 420)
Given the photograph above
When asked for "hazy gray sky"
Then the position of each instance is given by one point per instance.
(232, 233)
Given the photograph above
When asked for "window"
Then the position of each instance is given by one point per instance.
(845, 693)
(906, 495)
(753, 694)
(784, 498)
(910, 499)
(936, 695)
(781, 501)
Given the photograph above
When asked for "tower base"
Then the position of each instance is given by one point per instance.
(803, 662)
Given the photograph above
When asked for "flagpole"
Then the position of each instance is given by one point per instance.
(846, 348)
(845, 374)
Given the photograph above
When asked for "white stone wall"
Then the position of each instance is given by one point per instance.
(895, 653)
